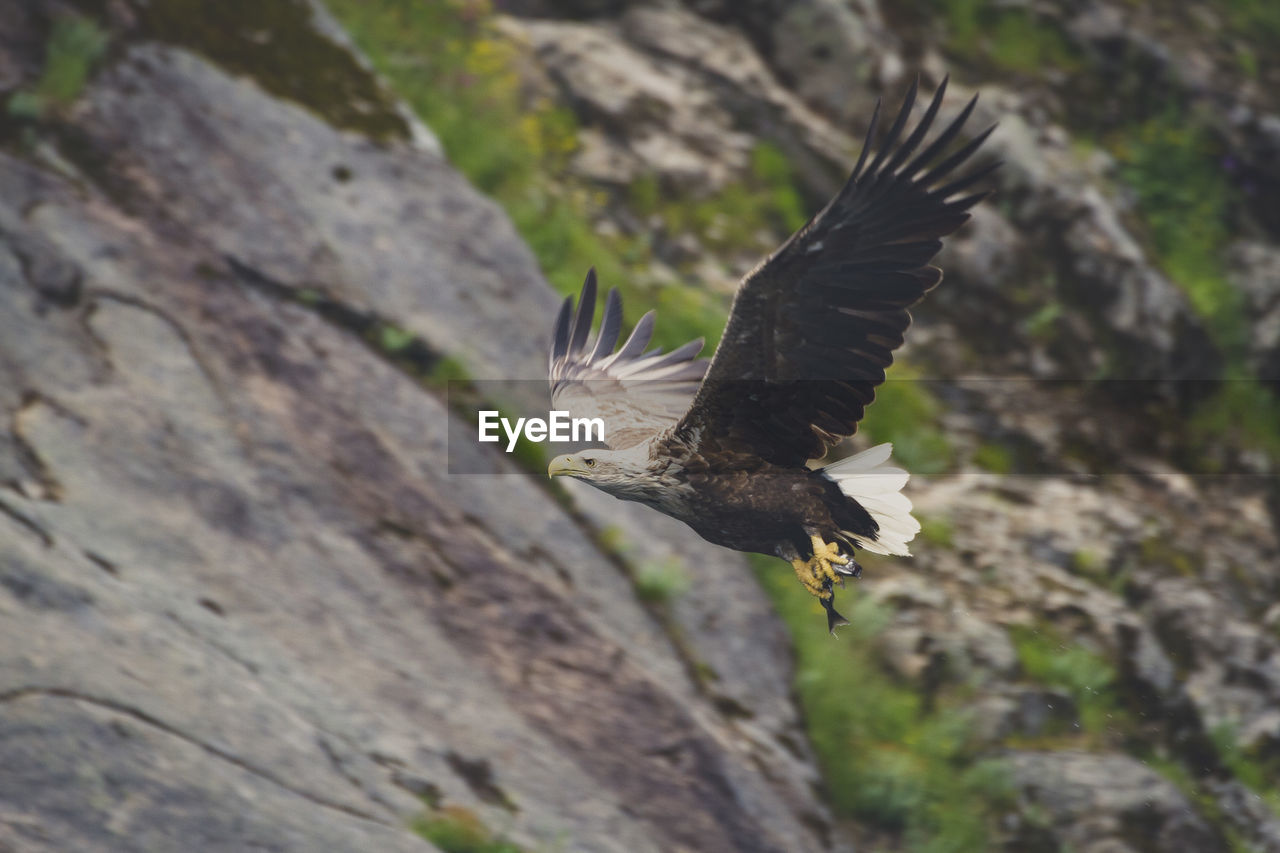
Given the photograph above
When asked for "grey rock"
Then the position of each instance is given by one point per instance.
(1233, 667)
(931, 637)
(825, 48)
(665, 94)
(652, 123)
(1247, 813)
(1131, 310)
(1024, 712)
(1255, 270)
(20, 58)
(1110, 802)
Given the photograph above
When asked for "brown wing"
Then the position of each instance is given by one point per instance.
(814, 326)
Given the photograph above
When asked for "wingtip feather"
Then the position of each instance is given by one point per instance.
(895, 130)
(560, 344)
(867, 142)
(586, 313)
(610, 326)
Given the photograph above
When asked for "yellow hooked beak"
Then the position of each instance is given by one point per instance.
(561, 466)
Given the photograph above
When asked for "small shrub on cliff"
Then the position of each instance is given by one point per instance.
(75, 44)
(458, 830)
(907, 413)
(1087, 676)
(1182, 181)
(1176, 170)
(1258, 773)
(1000, 37)
(659, 581)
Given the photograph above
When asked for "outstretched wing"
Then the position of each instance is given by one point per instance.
(638, 394)
(814, 326)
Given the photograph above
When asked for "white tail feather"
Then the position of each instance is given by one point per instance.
(878, 488)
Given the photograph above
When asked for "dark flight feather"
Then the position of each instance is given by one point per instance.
(814, 327)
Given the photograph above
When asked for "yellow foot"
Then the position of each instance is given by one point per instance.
(826, 556)
(809, 578)
(818, 574)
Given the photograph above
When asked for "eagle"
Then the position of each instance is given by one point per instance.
(726, 445)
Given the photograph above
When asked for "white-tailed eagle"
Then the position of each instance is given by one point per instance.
(723, 445)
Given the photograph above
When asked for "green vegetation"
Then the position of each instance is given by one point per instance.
(394, 339)
(1243, 413)
(1257, 21)
(75, 44)
(936, 530)
(754, 213)
(1204, 802)
(447, 370)
(1094, 568)
(458, 830)
(892, 757)
(1171, 161)
(999, 37)
(612, 540)
(1247, 60)
(530, 455)
(1174, 164)
(659, 581)
(889, 757)
(994, 458)
(907, 413)
(1088, 677)
(655, 581)
(1157, 550)
(1258, 774)
(1040, 324)
(1085, 562)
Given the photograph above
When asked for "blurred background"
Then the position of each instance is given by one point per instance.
(247, 249)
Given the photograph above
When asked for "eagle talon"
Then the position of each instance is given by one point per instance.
(827, 561)
(822, 572)
(809, 577)
(829, 551)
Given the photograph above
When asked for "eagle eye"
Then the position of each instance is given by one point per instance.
(589, 462)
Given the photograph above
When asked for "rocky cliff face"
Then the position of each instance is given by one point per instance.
(244, 604)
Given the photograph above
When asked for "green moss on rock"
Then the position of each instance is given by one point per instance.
(1088, 677)
(275, 43)
(454, 829)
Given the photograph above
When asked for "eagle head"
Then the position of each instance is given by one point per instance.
(619, 472)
